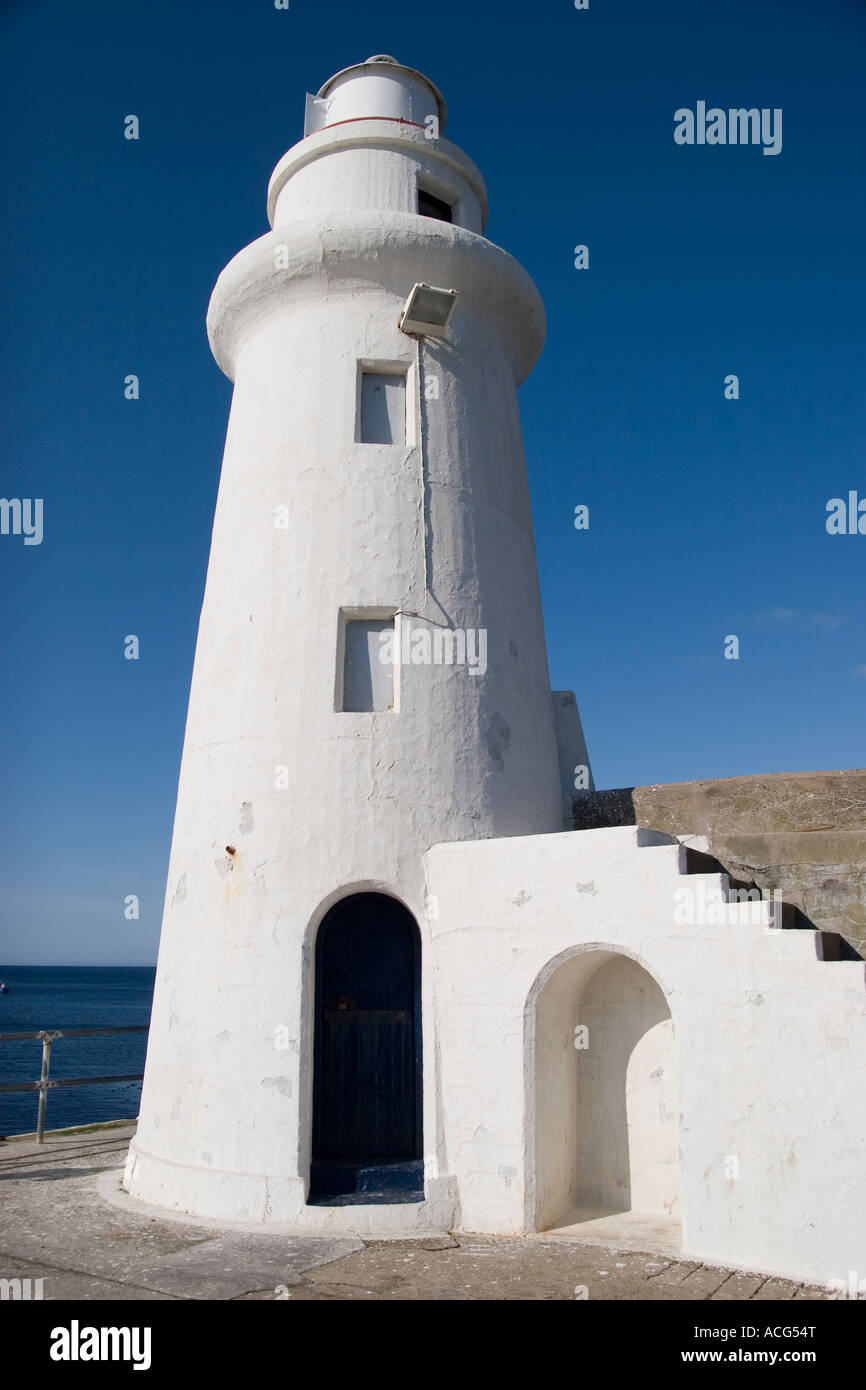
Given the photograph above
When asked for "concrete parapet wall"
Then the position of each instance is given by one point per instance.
(801, 832)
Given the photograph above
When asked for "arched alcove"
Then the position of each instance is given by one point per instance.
(606, 1102)
(367, 1136)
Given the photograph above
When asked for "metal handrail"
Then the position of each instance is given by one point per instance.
(44, 1084)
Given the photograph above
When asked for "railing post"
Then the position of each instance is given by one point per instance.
(47, 1036)
(43, 1089)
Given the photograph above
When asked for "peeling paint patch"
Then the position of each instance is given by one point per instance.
(497, 736)
(245, 823)
(282, 1083)
(507, 1173)
(587, 888)
(180, 890)
(206, 1157)
(223, 1036)
(223, 865)
(522, 897)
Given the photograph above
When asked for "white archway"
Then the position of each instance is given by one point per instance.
(606, 1106)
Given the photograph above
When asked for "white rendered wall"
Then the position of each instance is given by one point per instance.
(574, 766)
(769, 1055)
(627, 1103)
(381, 89)
(373, 166)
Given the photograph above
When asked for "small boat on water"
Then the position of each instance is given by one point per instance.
(4, 988)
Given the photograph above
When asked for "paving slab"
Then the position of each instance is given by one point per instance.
(63, 1284)
(776, 1288)
(234, 1264)
(739, 1286)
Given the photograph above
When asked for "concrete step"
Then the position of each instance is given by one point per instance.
(366, 1181)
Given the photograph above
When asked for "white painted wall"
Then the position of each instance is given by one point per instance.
(374, 166)
(573, 753)
(627, 1102)
(383, 88)
(769, 1049)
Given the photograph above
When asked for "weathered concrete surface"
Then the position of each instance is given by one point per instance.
(59, 1226)
(801, 832)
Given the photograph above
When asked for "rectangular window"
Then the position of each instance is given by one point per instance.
(383, 408)
(368, 664)
(431, 206)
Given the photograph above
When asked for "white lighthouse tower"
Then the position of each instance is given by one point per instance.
(370, 679)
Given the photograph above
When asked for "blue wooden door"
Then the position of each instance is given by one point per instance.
(367, 1062)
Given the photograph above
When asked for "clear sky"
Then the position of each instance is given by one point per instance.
(707, 515)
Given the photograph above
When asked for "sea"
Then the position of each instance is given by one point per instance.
(59, 997)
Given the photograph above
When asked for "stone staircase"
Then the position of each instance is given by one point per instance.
(803, 833)
(741, 901)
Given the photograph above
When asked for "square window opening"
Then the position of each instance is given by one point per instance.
(431, 206)
(367, 664)
(382, 408)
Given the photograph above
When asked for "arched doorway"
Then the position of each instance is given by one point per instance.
(367, 1138)
(606, 1140)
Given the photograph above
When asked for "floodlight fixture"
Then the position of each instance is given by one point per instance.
(428, 310)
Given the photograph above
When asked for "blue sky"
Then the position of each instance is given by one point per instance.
(707, 516)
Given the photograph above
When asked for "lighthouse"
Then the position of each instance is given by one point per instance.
(370, 678)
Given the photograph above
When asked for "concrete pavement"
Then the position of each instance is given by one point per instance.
(66, 1221)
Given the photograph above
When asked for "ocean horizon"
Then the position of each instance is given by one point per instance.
(73, 996)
